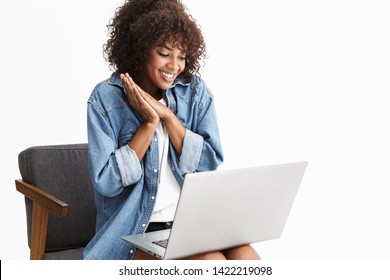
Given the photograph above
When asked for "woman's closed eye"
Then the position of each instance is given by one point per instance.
(181, 57)
(163, 54)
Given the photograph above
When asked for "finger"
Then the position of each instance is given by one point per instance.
(125, 83)
(132, 94)
(134, 85)
(130, 80)
(144, 94)
(141, 100)
(134, 90)
(138, 92)
(129, 85)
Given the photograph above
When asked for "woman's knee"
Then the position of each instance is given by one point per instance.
(207, 256)
(141, 255)
(245, 252)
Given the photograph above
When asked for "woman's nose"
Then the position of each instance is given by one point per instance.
(173, 64)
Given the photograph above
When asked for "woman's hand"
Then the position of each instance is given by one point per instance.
(163, 111)
(138, 102)
(140, 141)
(152, 111)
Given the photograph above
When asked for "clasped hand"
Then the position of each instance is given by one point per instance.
(150, 109)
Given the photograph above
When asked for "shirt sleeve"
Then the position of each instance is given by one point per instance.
(191, 152)
(202, 149)
(111, 168)
(128, 165)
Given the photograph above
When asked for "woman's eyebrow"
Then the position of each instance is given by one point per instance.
(171, 49)
(166, 47)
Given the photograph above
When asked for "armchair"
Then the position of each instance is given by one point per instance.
(59, 200)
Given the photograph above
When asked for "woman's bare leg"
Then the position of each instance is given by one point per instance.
(141, 255)
(217, 255)
(245, 252)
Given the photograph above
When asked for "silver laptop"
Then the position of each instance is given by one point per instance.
(226, 208)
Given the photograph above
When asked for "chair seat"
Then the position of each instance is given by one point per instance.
(70, 254)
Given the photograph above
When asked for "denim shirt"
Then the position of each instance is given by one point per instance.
(125, 187)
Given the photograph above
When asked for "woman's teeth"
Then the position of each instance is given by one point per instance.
(167, 75)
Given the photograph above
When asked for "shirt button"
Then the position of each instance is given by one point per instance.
(153, 197)
(143, 225)
(131, 251)
(173, 168)
(155, 170)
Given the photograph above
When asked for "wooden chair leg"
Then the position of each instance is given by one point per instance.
(43, 202)
(40, 217)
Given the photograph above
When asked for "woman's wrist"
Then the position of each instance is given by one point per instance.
(168, 116)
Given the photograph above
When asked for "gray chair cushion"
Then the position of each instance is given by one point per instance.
(62, 171)
(69, 254)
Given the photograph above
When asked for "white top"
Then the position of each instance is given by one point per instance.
(168, 189)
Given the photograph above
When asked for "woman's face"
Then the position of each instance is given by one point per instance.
(165, 63)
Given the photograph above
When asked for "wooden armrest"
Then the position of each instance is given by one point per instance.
(43, 198)
(42, 204)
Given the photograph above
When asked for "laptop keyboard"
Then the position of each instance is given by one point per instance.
(162, 243)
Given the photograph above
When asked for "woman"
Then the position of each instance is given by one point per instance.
(149, 124)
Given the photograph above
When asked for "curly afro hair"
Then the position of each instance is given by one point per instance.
(140, 25)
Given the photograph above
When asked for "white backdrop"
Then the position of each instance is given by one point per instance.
(293, 80)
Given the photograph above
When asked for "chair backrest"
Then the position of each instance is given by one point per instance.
(62, 171)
